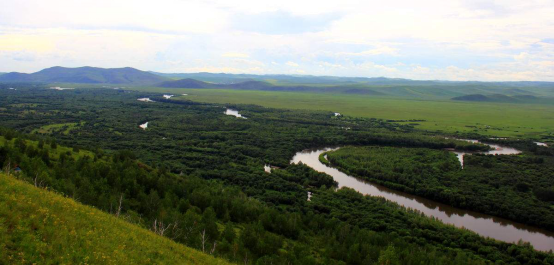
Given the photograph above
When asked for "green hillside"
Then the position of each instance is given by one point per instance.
(498, 98)
(38, 225)
(414, 90)
(187, 83)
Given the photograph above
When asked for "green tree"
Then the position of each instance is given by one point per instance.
(209, 224)
(229, 232)
(388, 256)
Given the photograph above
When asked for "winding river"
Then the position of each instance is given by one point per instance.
(483, 224)
(496, 150)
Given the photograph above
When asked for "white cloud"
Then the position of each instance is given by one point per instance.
(420, 70)
(293, 64)
(384, 50)
(331, 65)
(235, 55)
(373, 66)
(502, 72)
(521, 56)
(162, 16)
(385, 68)
(26, 42)
(459, 39)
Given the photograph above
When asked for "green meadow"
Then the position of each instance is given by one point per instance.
(486, 118)
(53, 151)
(64, 128)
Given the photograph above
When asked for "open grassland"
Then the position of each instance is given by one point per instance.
(64, 128)
(38, 226)
(495, 119)
(53, 151)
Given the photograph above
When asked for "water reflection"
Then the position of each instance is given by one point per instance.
(495, 150)
(483, 224)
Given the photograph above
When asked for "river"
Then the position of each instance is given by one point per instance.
(496, 150)
(233, 112)
(483, 224)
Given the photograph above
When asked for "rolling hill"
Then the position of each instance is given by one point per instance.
(282, 79)
(265, 86)
(374, 86)
(39, 226)
(186, 83)
(480, 92)
(473, 97)
(497, 98)
(434, 91)
(87, 75)
(193, 83)
(396, 87)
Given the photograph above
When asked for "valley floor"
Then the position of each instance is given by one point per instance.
(499, 119)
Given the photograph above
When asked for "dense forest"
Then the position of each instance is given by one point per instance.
(516, 187)
(197, 176)
(197, 139)
(336, 226)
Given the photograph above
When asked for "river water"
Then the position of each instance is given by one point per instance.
(483, 224)
(233, 112)
(496, 150)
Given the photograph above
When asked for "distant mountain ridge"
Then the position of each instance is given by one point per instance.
(187, 82)
(468, 92)
(518, 91)
(265, 86)
(86, 75)
(226, 78)
(369, 86)
(496, 98)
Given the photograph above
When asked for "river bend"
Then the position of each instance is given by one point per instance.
(483, 224)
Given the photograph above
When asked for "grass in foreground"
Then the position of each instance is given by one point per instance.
(38, 226)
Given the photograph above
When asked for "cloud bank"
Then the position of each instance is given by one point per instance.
(428, 39)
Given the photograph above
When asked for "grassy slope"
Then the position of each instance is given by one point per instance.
(44, 227)
(64, 127)
(516, 120)
(54, 153)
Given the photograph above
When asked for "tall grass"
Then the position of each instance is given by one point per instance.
(39, 226)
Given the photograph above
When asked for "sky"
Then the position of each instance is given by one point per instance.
(508, 40)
